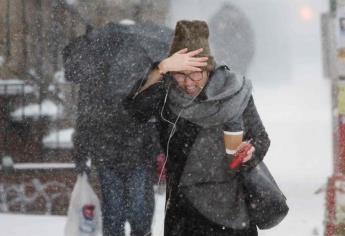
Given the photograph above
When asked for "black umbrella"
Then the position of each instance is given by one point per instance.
(78, 62)
(154, 39)
(82, 52)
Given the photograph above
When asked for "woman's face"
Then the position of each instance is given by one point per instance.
(191, 82)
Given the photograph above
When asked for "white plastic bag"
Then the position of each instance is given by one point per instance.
(84, 212)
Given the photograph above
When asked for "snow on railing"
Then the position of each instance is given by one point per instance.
(35, 166)
(127, 22)
(44, 166)
(71, 2)
(59, 139)
(15, 87)
(59, 77)
(35, 111)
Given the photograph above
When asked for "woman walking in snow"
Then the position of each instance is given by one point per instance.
(206, 112)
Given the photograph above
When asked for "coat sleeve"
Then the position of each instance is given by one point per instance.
(81, 137)
(146, 104)
(254, 130)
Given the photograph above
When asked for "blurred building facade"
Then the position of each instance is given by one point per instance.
(33, 32)
(37, 105)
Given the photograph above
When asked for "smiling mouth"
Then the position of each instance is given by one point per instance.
(191, 87)
(191, 91)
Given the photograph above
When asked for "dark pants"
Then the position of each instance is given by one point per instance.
(198, 225)
(127, 194)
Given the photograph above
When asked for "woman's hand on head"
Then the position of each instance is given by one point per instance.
(179, 61)
(183, 61)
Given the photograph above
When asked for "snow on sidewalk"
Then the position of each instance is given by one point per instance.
(34, 225)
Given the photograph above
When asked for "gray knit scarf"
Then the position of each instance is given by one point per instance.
(227, 95)
(204, 181)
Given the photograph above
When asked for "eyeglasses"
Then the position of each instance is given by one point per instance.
(194, 76)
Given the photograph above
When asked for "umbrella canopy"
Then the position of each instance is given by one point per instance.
(154, 39)
(78, 63)
(98, 44)
(108, 61)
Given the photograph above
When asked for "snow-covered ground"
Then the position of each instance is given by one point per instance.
(33, 225)
(297, 116)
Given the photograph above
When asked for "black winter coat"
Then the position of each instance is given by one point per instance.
(179, 211)
(106, 63)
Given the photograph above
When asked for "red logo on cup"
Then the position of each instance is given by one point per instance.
(89, 211)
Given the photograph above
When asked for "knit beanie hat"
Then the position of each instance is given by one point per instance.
(193, 35)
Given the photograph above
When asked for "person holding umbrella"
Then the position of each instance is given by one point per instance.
(206, 113)
(106, 62)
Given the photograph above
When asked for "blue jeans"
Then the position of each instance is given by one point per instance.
(127, 194)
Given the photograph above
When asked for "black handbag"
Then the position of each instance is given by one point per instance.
(267, 205)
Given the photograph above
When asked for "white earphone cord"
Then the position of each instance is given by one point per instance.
(168, 143)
